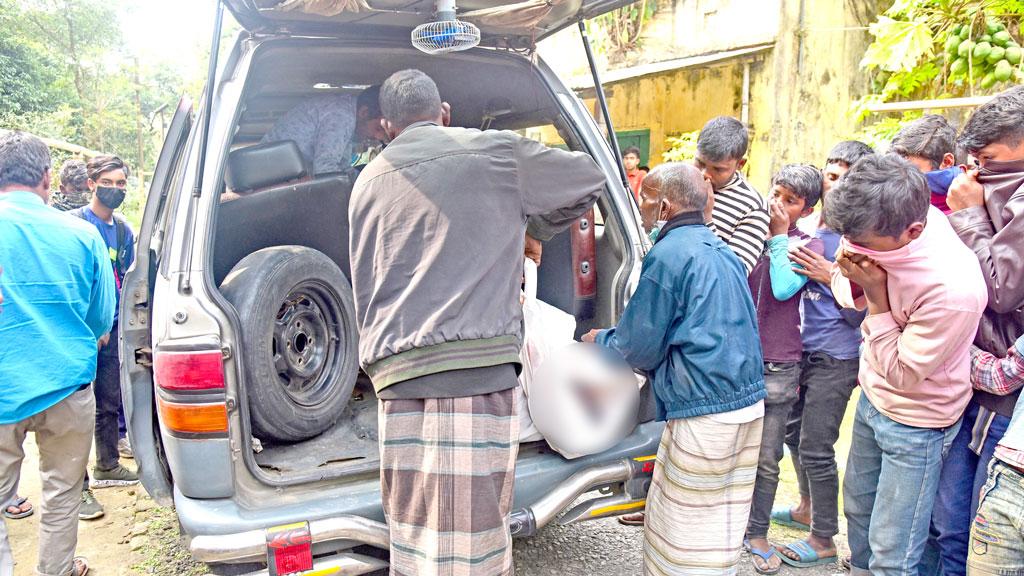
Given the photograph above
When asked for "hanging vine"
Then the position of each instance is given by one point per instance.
(617, 33)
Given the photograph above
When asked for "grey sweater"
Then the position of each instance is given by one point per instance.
(437, 224)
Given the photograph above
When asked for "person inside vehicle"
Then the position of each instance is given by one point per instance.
(332, 130)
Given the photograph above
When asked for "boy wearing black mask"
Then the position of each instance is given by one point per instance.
(108, 178)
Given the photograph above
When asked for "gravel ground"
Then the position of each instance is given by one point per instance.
(608, 548)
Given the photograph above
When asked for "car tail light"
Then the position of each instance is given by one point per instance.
(189, 371)
(193, 418)
(289, 549)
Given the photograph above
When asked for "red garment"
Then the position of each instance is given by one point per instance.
(635, 179)
(939, 201)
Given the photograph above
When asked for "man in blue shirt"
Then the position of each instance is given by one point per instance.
(107, 180)
(692, 328)
(58, 302)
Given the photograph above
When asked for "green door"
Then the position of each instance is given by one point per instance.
(639, 138)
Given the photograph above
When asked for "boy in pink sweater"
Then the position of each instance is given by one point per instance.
(925, 294)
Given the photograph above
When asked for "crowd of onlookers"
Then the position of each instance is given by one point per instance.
(908, 282)
(754, 319)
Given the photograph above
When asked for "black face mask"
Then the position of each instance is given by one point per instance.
(110, 196)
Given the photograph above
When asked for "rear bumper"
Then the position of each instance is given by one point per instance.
(252, 545)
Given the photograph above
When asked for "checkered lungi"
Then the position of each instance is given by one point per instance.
(447, 469)
(700, 496)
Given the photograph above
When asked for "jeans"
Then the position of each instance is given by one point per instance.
(892, 476)
(825, 387)
(781, 382)
(963, 472)
(108, 401)
(997, 534)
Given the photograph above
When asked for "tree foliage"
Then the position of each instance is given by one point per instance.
(944, 48)
(617, 33)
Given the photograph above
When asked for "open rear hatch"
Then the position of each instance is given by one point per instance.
(500, 22)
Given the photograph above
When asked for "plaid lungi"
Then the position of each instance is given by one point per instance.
(447, 469)
(700, 495)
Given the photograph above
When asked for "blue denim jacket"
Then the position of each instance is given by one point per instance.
(691, 325)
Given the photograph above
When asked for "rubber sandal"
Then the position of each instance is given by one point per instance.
(80, 566)
(764, 555)
(634, 519)
(17, 504)
(784, 517)
(807, 554)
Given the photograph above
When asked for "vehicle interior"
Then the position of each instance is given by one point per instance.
(271, 198)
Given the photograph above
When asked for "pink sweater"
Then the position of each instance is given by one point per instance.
(915, 364)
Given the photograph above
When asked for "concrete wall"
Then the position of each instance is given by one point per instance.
(801, 91)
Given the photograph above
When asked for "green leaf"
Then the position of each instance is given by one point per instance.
(898, 45)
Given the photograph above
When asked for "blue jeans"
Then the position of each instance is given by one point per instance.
(997, 534)
(892, 476)
(963, 472)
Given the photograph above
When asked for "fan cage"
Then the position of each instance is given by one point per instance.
(445, 36)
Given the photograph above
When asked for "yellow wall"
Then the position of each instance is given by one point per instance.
(800, 95)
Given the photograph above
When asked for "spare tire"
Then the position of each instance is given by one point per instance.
(299, 342)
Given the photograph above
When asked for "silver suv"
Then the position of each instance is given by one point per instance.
(247, 410)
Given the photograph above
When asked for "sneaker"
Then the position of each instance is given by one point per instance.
(124, 448)
(119, 476)
(90, 508)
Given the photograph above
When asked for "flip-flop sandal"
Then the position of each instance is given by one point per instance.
(17, 504)
(634, 519)
(784, 517)
(807, 554)
(80, 566)
(765, 555)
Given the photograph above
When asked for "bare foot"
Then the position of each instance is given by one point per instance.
(802, 511)
(772, 564)
(825, 548)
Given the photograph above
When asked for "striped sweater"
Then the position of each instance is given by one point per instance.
(740, 219)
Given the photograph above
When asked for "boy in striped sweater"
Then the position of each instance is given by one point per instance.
(740, 214)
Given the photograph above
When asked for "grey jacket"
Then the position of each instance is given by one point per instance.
(996, 234)
(437, 224)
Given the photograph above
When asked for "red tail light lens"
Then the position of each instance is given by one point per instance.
(189, 371)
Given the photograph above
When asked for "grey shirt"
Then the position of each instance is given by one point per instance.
(437, 224)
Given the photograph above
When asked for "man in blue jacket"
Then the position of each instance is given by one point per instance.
(692, 328)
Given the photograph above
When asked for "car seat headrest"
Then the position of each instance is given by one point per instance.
(264, 165)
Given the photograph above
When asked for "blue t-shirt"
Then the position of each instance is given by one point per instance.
(824, 328)
(109, 234)
(58, 300)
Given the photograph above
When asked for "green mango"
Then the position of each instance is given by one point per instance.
(965, 48)
(981, 51)
(991, 27)
(955, 31)
(965, 32)
(1003, 71)
(1002, 38)
(989, 80)
(995, 55)
(1013, 55)
(958, 67)
(985, 38)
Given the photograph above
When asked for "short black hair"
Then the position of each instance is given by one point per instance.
(409, 96)
(24, 160)
(881, 194)
(931, 137)
(73, 174)
(370, 98)
(804, 180)
(631, 150)
(97, 165)
(723, 138)
(998, 120)
(848, 152)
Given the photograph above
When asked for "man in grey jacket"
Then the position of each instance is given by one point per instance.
(437, 231)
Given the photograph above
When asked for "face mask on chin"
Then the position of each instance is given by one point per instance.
(656, 230)
(111, 197)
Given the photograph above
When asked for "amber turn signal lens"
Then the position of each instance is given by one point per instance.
(194, 418)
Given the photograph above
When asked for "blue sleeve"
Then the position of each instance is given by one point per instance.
(130, 249)
(643, 332)
(785, 282)
(103, 294)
